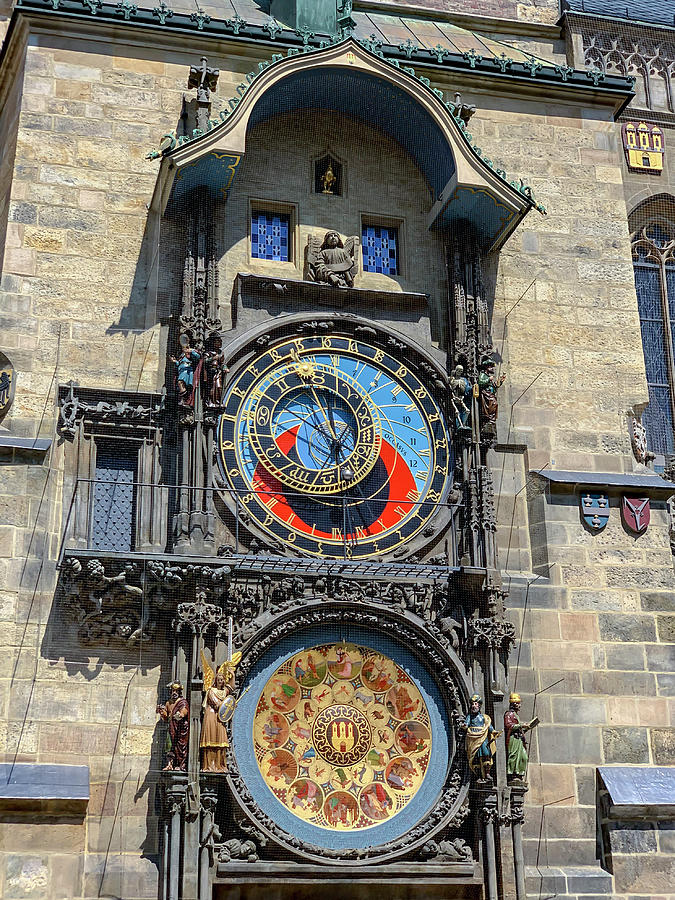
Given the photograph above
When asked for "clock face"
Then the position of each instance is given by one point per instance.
(334, 446)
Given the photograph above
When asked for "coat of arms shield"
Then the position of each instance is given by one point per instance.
(635, 512)
(595, 509)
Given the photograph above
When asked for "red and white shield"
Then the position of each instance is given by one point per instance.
(635, 513)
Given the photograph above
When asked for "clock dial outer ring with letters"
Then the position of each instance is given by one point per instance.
(261, 494)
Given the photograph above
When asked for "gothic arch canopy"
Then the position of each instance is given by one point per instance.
(349, 79)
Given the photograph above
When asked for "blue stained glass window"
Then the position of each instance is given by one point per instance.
(269, 236)
(380, 249)
(113, 512)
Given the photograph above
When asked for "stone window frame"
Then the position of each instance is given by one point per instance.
(256, 204)
(657, 252)
(315, 160)
(386, 222)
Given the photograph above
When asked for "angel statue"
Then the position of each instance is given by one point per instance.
(332, 262)
(218, 706)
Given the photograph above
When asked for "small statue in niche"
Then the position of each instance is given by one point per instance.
(514, 738)
(332, 262)
(328, 180)
(218, 706)
(460, 397)
(188, 363)
(176, 712)
(488, 385)
(481, 739)
(215, 369)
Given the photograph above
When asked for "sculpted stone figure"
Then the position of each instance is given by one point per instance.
(480, 739)
(460, 397)
(186, 364)
(514, 737)
(332, 262)
(176, 712)
(217, 707)
(215, 368)
(488, 386)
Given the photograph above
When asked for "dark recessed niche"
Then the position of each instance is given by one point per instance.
(328, 176)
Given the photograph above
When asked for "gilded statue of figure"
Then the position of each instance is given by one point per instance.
(176, 712)
(332, 262)
(480, 739)
(217, 707)
(215, 369)
(514, 738)
(328, 180)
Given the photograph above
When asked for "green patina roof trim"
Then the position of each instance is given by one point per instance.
(170, 142)
(519, 66)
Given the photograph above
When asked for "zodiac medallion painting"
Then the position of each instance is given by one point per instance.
(342, 736)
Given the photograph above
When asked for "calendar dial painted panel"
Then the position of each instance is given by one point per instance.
(334, 446)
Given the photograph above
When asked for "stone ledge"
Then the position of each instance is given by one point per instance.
(639, 792)
(44, 788)
(607, 480)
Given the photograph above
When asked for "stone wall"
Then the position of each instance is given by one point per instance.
(381, 184)
(601, 619)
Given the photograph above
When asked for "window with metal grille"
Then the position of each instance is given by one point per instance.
(654, 264)
(380, 249)
(270, 235)
(114, 497)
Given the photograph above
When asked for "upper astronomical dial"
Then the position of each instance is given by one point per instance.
(334, 445)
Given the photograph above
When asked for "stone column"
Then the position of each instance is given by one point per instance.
(175, 788)
(517, 815)
(209, 836)
(489, 816)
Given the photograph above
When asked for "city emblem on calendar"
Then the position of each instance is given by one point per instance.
(594, 509)
(635, 513)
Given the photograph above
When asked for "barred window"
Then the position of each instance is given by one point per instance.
(114, 498)
(654, 264)
(270, 235)
(380, 249)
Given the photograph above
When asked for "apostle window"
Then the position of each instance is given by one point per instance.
(114, 500)
(654, 264)
(271, 235)
(380, 249)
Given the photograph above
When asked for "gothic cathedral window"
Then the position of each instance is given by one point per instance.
(654, 266)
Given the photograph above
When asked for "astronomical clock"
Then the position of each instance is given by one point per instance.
(336, 465)
(334, 440)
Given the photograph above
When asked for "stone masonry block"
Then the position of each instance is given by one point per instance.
(661, 657)
(569, 744)
(627, 657)
(648, 873)
(666, 685)
(663, 746)
(619, 684)
(666, 837)
(658, 601)
(625, 745)
(632, 837)
(627, 628)
(665, 626)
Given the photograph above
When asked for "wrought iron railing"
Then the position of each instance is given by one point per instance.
(113, 516)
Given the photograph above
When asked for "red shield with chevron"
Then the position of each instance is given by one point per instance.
(635, 513)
